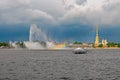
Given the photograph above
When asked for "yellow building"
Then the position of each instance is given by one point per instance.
(104, 42)
(60, 46)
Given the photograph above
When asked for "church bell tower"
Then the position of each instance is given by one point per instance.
(97, 37)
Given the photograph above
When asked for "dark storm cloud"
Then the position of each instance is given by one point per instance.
(111, 6)
(61, 33)
(80, 2)
(14, 33)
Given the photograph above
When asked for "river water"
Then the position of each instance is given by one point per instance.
(97, 64)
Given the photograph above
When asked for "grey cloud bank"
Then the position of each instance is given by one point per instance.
(54, 11)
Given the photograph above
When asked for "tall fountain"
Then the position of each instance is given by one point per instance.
(38, 39)
(36, 34)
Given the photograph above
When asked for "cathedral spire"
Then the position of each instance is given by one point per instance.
(97, 37)
(96, 29)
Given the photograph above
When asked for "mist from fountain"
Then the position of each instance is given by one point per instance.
(36, 34)
(33, 45)
(38, 39)
(50, 45)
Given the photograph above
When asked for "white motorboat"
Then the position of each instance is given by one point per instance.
(80, 51)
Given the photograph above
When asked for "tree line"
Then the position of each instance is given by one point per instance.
(6, 44)
(110, 44)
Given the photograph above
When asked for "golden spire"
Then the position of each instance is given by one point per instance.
(96, 29)
(97, 37)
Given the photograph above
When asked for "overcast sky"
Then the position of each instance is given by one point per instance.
(71, 20)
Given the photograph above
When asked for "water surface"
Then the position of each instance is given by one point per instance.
(98, 64)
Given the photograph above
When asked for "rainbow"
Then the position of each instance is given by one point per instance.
(60, 46)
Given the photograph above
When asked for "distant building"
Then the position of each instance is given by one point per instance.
(84, 45)
(104, 42)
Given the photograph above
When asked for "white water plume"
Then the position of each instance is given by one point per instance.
(36, 34)
(33, 45)
(38, 39)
